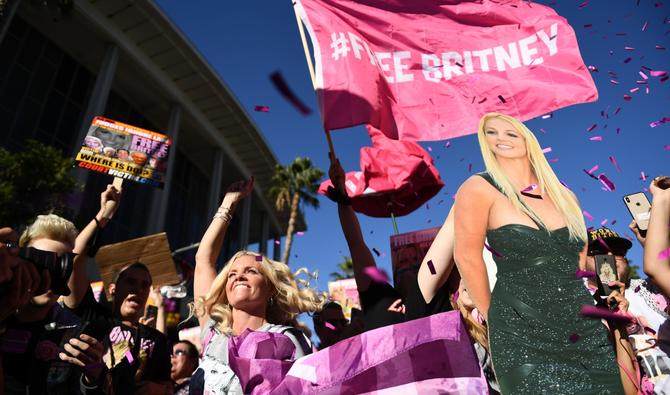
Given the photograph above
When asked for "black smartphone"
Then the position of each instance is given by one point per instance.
(605, 273)
(152, 311)
(640, 209)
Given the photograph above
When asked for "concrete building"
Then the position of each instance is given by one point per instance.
(127, 61)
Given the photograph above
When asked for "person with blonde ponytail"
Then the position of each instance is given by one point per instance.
(251, 292)
(535, 228)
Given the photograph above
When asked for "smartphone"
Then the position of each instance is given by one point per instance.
(605, 273)
(152, 311)
(640, 209)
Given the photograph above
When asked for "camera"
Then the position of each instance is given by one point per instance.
(58, 266)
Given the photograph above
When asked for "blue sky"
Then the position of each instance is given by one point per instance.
(245, 41)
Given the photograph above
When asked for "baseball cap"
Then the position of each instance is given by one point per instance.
(613, 242)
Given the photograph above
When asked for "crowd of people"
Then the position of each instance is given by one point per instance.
(552, 320)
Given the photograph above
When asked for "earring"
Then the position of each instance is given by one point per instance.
(271, 300)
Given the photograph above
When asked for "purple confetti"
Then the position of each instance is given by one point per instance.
(375, 251)
(431, 267)
(492, 251)
(614, 162)
(584, 274)
(129, 357)
(574, 338)
(376, 274)
(592, 127)
(603, 222)
(259, 258)
(591, 311)
(643, 176)
(660, 122)
(529, 188)
(546, 150)
(261, 108)
(606, 182)
(447, 144)
(596, 138)
(502, 99)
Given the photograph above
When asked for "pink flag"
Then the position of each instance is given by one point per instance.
(428, 70)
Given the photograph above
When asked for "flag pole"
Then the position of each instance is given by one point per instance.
(310, 66)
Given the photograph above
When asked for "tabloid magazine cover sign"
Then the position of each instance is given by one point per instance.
(125, 151)
(345, 293)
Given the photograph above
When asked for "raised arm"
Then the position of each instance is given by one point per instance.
(658, 238)
(360, 253)
(78, 282)
(212, 241)
(441, 256)
(471, 211)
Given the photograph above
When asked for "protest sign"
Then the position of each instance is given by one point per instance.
(424, 70)
(153, 251)
(407, 252)
(125, 152)
(345, 293)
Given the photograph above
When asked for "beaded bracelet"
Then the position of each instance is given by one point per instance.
(223, 213)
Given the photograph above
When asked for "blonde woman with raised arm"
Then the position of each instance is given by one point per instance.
(251, 292)
(538, 341)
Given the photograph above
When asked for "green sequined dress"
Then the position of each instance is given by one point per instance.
(539, 343)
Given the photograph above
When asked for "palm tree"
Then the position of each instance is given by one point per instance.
(345, 269)
(292, 184)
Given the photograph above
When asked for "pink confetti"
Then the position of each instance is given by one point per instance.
(584, 4)
(594, 168)
(627, 98)
(643, 75)
(596, 138)
(584, 274)
(592, 127)
(587, 215)
(553, 160)
(590, 311)
(277, 242)
(629, 48)
(592, 68)
(329, 326)
(603, 222)
(430, 149)
(614, 162)
(666, 146)
(431, 267)
(547, 116)
(529, 188)
(261, 108)
(377, 275)
(660, 47)
(300, 233)
(602, 243)
(634, 90)
(660, 122)
(644, 27)
(658, 73)
(606, 182)
(643, 176)
(129, 357)
(665, 254)
(545, 150)
(447, 144)
(492, 251)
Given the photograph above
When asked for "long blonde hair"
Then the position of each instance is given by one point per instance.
(290, 295)
(476, 329)
(565, 201)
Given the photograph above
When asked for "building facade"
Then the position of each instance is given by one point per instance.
(127, 61)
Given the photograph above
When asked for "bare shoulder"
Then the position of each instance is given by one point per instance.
(475, 187)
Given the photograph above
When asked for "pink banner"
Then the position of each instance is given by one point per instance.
(429, 69)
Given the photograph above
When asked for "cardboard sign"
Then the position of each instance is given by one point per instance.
(153, 251)
(125, 151)
(408, 250)
(345, 293)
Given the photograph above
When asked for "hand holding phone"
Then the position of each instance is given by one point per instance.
(639, 207)
(605, 273)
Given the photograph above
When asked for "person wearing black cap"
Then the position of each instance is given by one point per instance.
(604, 241)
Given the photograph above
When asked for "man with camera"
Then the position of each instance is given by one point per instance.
(45, 348)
